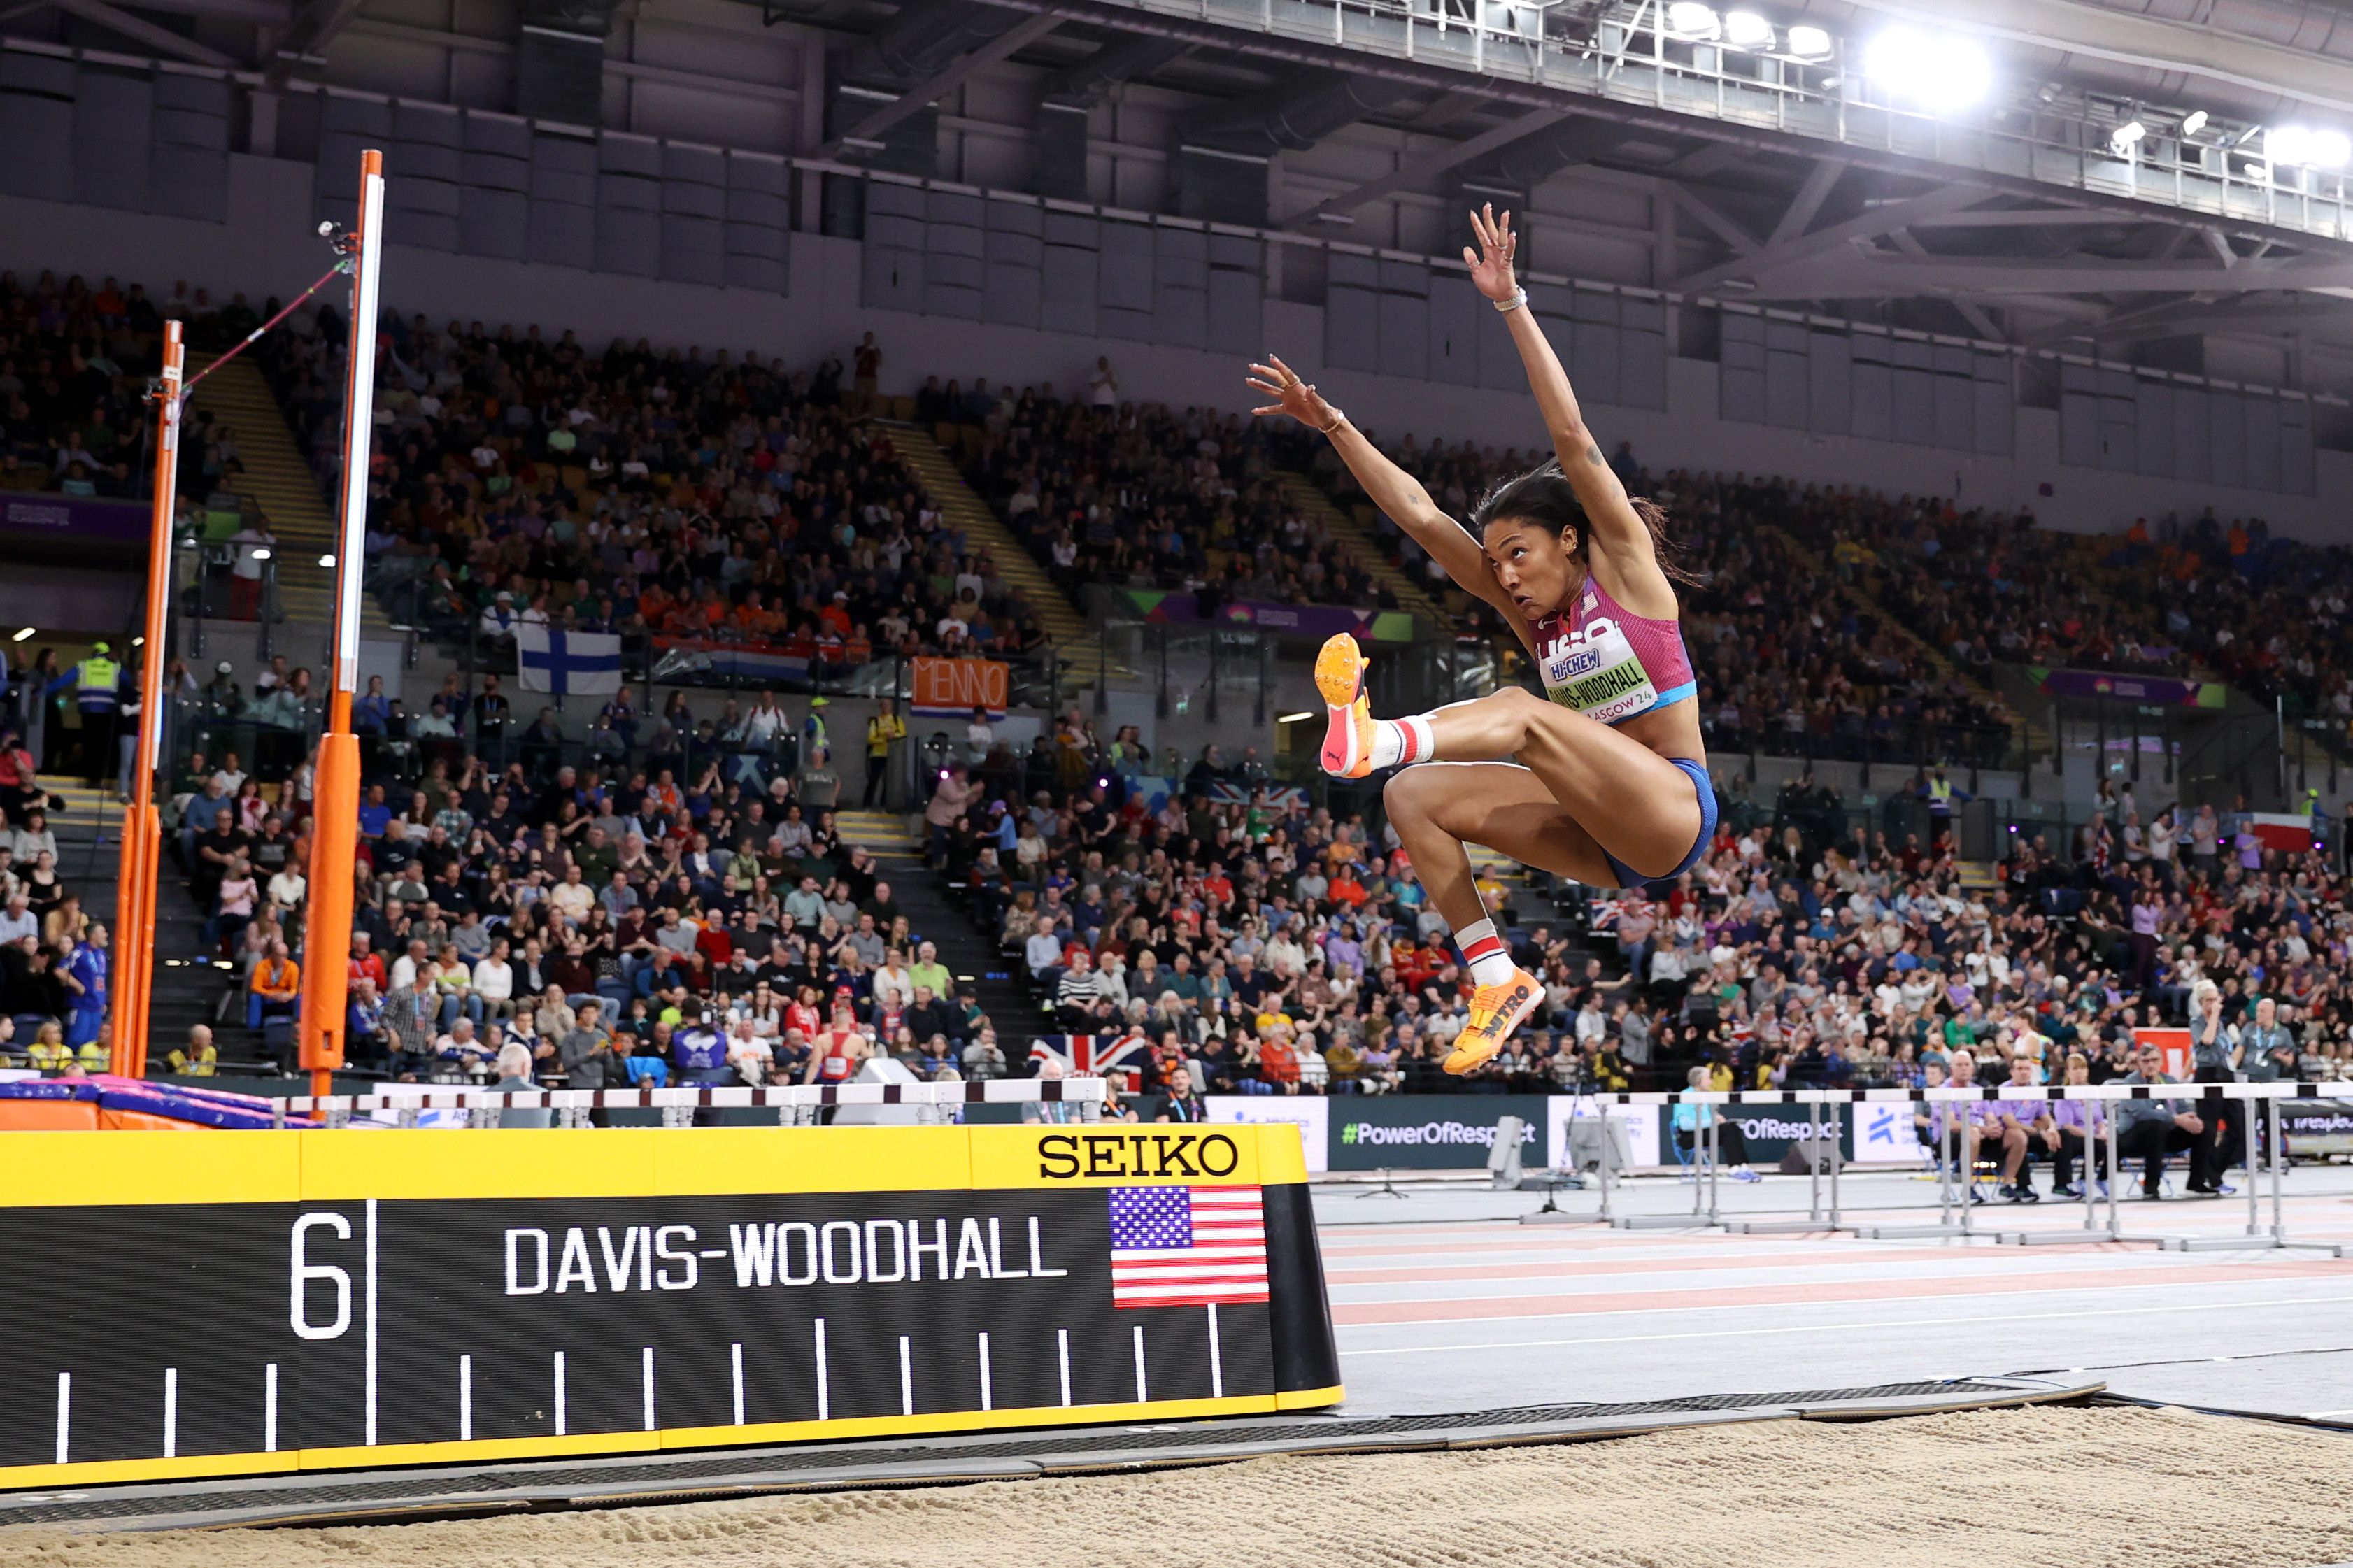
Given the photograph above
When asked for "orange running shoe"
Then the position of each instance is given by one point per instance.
(1495, 1011)
(1340, 677)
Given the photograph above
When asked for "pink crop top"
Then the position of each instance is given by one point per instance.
(1609, 663)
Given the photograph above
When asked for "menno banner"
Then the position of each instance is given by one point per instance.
(241, 1303)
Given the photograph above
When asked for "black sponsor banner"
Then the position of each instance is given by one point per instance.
(1772, 1131)
(2317, 1126)
(245, 1328)
(1429, 1131)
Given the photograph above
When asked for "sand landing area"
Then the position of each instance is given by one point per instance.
(2068, 1487)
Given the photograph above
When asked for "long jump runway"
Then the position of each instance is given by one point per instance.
(1443, 1301)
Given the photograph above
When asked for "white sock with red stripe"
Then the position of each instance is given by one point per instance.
(1483, 953)
(1396, 741)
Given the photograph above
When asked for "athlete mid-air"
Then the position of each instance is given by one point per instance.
(1608, 782)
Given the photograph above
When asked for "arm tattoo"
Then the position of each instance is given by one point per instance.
(1593, 454)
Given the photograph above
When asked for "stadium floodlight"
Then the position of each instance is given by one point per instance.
(1941, 70)
(2302, 147)
(1691, 19)
(328, 562)
(2194, 123)
(2122, 138)
(1748, 30)
(24, 636)
(1810, 43)
(259, 552)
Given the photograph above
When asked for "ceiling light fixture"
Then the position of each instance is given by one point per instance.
(2303, 147)
(1941, 70)
(1692, 20)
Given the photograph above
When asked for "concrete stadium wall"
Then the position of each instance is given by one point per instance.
(270, 246)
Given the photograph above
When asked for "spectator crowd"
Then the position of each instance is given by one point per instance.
(518, 478)
(619, 925)
(1139, 495)
(54, 980)
(673, 900)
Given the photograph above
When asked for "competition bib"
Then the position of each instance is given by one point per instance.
(1595, 671)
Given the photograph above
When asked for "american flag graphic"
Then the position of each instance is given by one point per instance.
(1187, 1246)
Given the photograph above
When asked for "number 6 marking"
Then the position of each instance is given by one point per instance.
(304, 1272)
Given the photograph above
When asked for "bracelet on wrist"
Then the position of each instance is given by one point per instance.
(1339, 417)
(1519, 298)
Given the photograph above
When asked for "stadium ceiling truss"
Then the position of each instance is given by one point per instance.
(2024, 218)
(2025, 222)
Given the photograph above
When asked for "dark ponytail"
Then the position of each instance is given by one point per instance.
(1544, 498)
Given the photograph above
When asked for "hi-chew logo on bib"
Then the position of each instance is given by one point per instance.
(1593, 669)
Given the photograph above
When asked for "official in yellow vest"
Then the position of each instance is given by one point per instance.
(882, 730)
(97, 692)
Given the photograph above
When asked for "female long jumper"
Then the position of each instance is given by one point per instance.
(1608, 781)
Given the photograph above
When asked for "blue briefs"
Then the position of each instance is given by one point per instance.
(1630, 877)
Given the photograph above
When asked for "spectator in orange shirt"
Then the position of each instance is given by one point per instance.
(835, 616)
(664, 793)
(277, 982)
(1346, 888)
(1278, 1060)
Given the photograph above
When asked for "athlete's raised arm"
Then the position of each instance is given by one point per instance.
(1394, 491)
(1621, 541)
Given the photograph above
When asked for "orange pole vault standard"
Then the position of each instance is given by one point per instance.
(335, 793)
(134, 966)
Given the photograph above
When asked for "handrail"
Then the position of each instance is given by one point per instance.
(1080, 1091)
(1623, 57)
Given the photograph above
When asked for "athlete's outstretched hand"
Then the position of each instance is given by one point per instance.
(1291, 394)
(1490, 264)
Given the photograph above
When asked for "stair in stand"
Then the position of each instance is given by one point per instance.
(936, 916)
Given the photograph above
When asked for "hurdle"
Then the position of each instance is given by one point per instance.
(1815, 1221)
(1706, 1213)
(2092, 1230)
(2258, 1236)
(1955, 1218)
(1955, 1184)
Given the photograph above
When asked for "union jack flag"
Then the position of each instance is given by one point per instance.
(1096, 1055)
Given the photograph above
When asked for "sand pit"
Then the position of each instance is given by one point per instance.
(2063, 1487)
